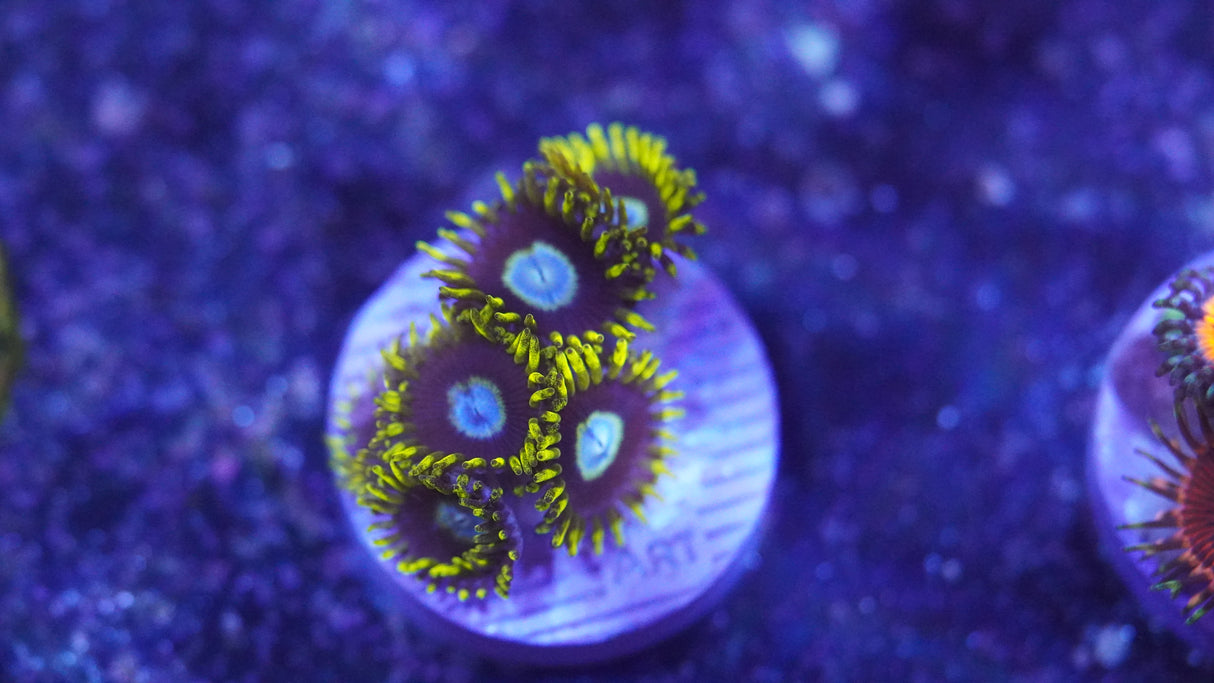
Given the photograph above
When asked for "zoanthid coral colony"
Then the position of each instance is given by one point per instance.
(1151, 458)
(10, 338)
(555, 430)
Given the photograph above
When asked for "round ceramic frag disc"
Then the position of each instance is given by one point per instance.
(695, 539)
(1131, 396)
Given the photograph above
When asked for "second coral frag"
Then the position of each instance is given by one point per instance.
(1151, 462)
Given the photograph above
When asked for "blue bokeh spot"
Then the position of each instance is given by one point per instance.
(476, 408)
(598, 442)
(541, 276)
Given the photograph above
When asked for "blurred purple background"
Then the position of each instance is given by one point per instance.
(938, 214)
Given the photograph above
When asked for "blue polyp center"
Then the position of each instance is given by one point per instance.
(598, 442)
(456, 520)
(541, 276)
(475, 408)
(636, 211)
